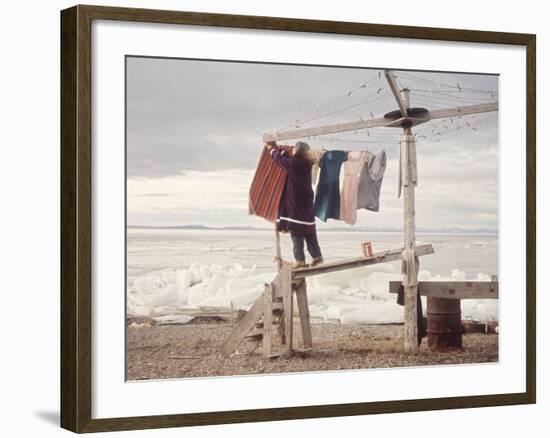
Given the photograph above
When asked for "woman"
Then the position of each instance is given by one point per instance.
(296, 212)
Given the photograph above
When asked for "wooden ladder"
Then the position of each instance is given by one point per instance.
(273, 307)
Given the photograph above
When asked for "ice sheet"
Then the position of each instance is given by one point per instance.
(351, 297)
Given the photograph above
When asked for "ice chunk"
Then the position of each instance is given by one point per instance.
(246, 297)
(336, 311)
(376, 312)
(215, 284)
(195, 270)
(483, 277)
(351, 277)
(458, 275)
(183, 279)
(197, 296)
(359, 295)
(424, 276)
(377, 285)
(216, 301)
(173, 319)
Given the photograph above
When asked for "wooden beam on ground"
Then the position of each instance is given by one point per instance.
(303, 310)
(323, 130)
(454, 289)
(243, 327)
(463, 110)
(391, 255)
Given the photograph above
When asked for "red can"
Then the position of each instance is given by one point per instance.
(367, 249)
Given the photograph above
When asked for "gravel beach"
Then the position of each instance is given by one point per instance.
(193, 350)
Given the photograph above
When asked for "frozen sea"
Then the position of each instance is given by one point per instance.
(171, 270)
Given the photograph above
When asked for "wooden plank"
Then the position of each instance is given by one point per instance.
(380, 121)
(278, 304)
(277, 287)
(268, 320)
(303, 309)
(463, 110)
(286, 290)
(243, 327)
(392, 81)
(323, 130)
(391, 255)
(454, 289)
(278, 253)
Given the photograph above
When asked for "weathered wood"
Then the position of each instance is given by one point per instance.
(323, 130)
(410, 298)
(303, 310)
(267, 320)
(405, 96)
(463, 110)
(286, 291)
(391, 255)
(255, 335)
(454, 289)
(380, 122)
(277, 288)
(278, 305)
(392, 82)
(278, 255)
(243, 327)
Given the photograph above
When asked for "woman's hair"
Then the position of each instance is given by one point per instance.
(300, 149)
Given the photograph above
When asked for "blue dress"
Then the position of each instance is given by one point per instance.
(327, 194)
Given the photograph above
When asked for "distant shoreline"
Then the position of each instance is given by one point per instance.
(332, 229)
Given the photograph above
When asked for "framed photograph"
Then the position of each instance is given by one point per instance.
(268, 218)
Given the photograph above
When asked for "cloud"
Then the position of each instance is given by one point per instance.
(194, 135)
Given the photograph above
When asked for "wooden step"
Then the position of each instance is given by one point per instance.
(243, 327)
(255, 334)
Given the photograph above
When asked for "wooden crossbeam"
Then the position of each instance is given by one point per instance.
(392, 82)
(380, 122)
(454, 289)
(463, 110)
(391, 255)
(323, 130)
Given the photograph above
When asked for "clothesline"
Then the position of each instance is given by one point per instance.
(315, 154)
(363, 171)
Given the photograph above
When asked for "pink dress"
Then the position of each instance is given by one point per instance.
(348, 196)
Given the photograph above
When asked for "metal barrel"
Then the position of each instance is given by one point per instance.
(444, 324)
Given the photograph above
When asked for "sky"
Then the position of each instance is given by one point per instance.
(194, 136)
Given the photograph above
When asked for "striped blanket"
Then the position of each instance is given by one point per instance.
(267, 187)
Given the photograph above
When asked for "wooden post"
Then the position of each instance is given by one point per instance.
(278, 248)
(408, 166)
(267, 320)
(286, 291)
(303, 309)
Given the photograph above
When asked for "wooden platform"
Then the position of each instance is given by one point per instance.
(459, 290)
(391, 255)
(275, 305)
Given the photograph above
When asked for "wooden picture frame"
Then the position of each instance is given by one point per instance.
(76, 217)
